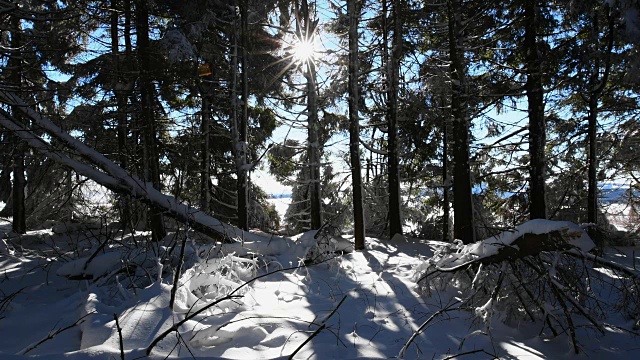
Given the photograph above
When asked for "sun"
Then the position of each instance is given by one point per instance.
(304, 51)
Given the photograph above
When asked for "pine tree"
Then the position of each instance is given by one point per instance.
(353, 12)
(15, 68)
(147, 114)
(393, 83)
(535, 100)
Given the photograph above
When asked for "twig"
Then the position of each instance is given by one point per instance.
(51, 335)
(115, 316)
(424, 324)
(601, 261)
(178, 270)
(5, 301)
(318, 330)
(265, 317)
(576, 305)
(95, 253)
(467, 353)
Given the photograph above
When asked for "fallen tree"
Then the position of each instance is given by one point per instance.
(90, 163)
(540, 271)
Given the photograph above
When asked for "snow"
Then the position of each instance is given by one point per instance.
(273, 315)
(578, 238)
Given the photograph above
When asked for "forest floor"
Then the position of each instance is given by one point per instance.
(357, 305)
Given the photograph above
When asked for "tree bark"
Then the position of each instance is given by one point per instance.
(353, 11)
(597, 84)
(15, 81)
(242, 146)
(121, 107)
(205, 161)
(148, 122)
(537, 125)
(462, 195)
(305, 29)
(393, 73)
(445, 180)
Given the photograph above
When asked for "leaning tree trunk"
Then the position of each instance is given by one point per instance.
(462, 196)
(537, 126)
(150, 149)
(353, 11)
(102, 170)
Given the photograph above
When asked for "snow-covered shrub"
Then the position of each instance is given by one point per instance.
(211, 279)
(541, 272)
(326, 246)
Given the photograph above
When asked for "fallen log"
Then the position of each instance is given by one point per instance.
(102, 170)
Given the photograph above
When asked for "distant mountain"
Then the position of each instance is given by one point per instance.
(279, 196)
(613, 192)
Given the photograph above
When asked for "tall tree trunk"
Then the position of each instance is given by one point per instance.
(305, 30)
(393, 169)
(121, 105)
(15, 80)
(147, 116)
(205, 161)
(314, 147)
(353, 11)
(127, 28)
(597, 84)
(463, 228)
(537, 126)
(445, 180)
(242, 145)
(235, 131)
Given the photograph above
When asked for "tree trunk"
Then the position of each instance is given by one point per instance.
(121, 105)
(393, 170)
(235, 131)
(445, 180)
(205, 163)
(462, 195)
(15, 80)
(147, 116)
(353, 11)
(537, 126)
(305, 29)
(242, 146)
(597, 84)
(314, 148)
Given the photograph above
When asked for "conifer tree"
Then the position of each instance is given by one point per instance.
(353, 12)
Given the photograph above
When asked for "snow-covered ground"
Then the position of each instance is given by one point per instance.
(359, 305)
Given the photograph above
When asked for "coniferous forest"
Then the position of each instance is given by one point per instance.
(319, 179)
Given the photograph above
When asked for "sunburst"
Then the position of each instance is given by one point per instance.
(304, 51)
